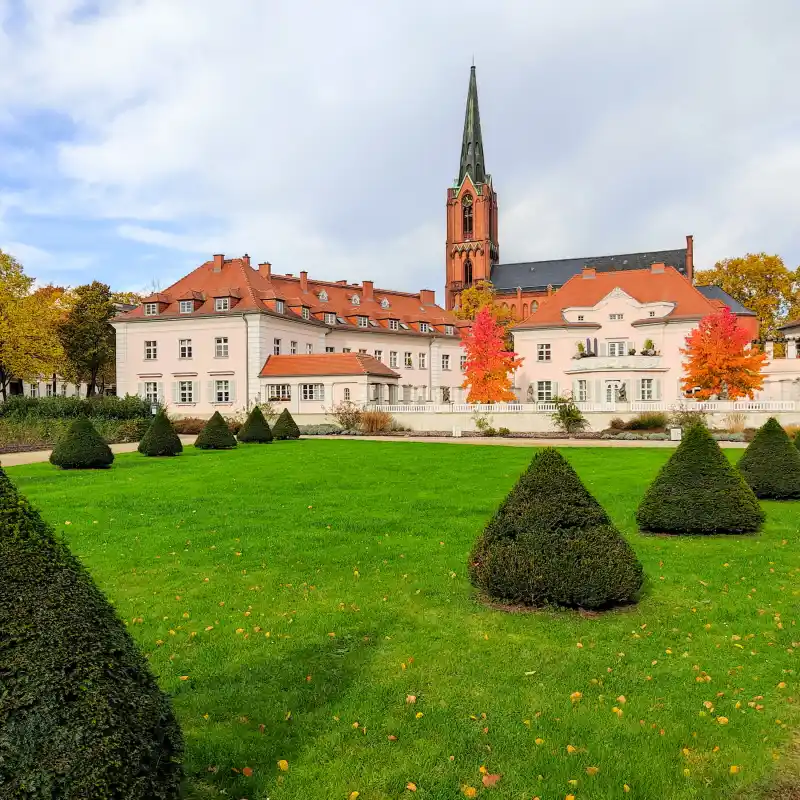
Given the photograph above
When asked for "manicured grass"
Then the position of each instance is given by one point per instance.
(306, 589)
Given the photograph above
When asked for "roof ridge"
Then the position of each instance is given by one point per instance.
(588, 258)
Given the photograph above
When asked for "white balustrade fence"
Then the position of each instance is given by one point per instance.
(708, 406)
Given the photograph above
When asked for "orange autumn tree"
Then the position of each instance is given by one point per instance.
(489, 364)
(719, 361)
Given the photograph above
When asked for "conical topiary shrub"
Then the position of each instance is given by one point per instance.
(797, 439)
(699, 491)
(771, 463)
(82, 447)
(80, 712)
(160, 438)
(255, 428)
(216, 435)
(551, 542)
(285, 427)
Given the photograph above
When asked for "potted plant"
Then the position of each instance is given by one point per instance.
(649, 348)
(581, 350)
(631, 351)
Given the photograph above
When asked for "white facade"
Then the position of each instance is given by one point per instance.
(198, 365)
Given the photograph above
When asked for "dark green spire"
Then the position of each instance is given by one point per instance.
(472, 144)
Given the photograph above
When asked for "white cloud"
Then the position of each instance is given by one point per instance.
(322, 136)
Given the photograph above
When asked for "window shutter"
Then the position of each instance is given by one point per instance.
(140, 390)
(160, 392)
(554, 386)
(232, 386)
(575, 390)
(210, 390)
(603, 348)
(175, 389)
(599, 397)
(639, 392)
(196, 391)
(657, 389)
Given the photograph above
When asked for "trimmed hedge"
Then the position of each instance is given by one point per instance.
(797, 439)
(699, 491)
(771, 463)
(255, 428)
(216, 435)
(81, 715)
(100, 407)
(160, 439)
(82, 447)
(551, 542)
(285, 427)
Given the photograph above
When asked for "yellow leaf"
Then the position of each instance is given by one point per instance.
(353, 795)
(539, 741)
(469, 791)
(734, 769)
(575, 697)
(419, 715)
(571, 749)
(412, 787)
(283, 765)
(592, 770)
(722, 720)
(625, 788)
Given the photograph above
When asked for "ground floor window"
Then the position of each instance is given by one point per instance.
(185, 392)
(346, 393)
(150, 391)
(392, 393)
(48, 389)
(34, 390)
(406, 394)
(63, 389)
(544, 391)
(582, 393)
(312, 391)
(222, 391)
(647, 389)
(278, 391)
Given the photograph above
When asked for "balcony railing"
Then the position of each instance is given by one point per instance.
(594, 363)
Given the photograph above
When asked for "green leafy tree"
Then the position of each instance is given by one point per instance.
(87, 335)
(551, 542)
(29, 344)
(760, 282)
(81, 715)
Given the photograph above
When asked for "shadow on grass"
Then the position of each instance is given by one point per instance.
(258, 695)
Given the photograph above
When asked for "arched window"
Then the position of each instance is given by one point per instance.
(524, 310)
(466, 209)
(468, 272)
(534, 306)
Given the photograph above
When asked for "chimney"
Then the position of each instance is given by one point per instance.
(588, 273)
(265, 269)
(303, 281)
(427, 297)
(657, 269)
(246, 260)
(690, 256)
(367, 290)
(219, 260)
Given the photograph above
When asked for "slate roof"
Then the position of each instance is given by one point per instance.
(534, 275)
(717, 293)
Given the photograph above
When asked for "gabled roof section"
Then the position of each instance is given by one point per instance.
(643, 285)
(472, 160)
(538, 275)
(319, 365)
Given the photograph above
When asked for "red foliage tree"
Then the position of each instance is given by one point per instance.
(489, 365)
(719, 360)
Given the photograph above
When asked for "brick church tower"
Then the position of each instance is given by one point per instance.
(472, 248)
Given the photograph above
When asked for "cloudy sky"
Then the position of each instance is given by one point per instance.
(138, 137)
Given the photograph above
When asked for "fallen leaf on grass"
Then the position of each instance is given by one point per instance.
(247, 772)
(491, 780)
(469, 791)
(283, 765)
(412, 787)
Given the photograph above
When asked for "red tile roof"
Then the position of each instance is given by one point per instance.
(325, 364)
(644, 285)
(259, 289)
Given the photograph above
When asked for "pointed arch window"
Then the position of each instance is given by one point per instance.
(468, 272)
(466, 215)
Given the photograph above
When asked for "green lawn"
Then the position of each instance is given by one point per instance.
(306, 589)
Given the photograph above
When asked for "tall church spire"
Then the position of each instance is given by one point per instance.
(472, 144)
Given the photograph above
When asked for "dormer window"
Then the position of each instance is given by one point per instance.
(150, 309)
(394, 324)
(323, 296)
(449, 330)
(330, 318)
(280, 306)
(652, 313)
(186, 306)
(222, 304)
(384, 303)
(305, 313)
(424, 327)
(363, 322)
